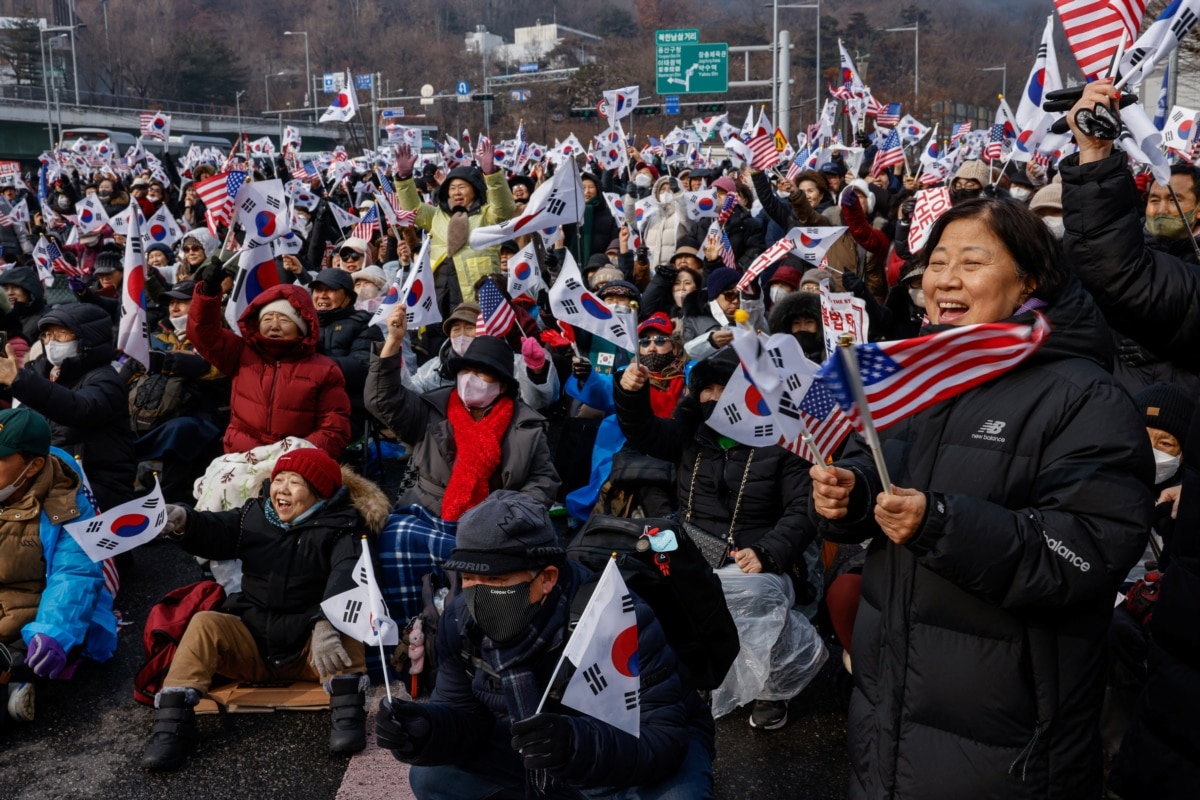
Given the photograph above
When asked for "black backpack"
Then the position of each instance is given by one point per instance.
(687, 600)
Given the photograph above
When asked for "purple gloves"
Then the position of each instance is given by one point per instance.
(535, 356)
(46, 656)
(76, 285)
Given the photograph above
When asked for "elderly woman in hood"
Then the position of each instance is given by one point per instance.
(281, 386)
(663, 233)
(469, 198)
(73, 386)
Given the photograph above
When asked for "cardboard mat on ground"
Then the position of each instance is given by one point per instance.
(256, 697)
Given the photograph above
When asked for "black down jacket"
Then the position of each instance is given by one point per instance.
(346, 336)
(286, 574)
(772, 519)
(978, 648)
(88, 404)
(1153, 297)
(468, 704)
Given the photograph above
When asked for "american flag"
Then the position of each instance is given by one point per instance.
(840, 92)
(875, 108)
(823, 418)
(366, 227)
(385, 186)
(306, 172)
(218, 193)
(49, 258)
(154, 124)
(995, 145)
(727, 256)
(904, 377)
(797, 165)
(727, 208)
(889, 117)
(496, 316)
(891, 152)
(1095, 28)
(762, 147)
(960, 131)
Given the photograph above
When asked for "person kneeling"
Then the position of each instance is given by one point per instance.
(299, 542)
(484, 733)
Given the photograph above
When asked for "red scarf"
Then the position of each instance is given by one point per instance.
(477, 454)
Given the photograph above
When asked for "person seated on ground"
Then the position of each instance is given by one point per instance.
(299, 542)
(753, 498)
(54, 605)
(346, 336)
(27, 296)
(711, 327)
(179, 409)
(482, 733)
(72, 384)
(538, 380)
(280, 385)
(468, 440)
(623, 480)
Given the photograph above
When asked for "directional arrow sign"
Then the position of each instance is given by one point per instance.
(684, 65)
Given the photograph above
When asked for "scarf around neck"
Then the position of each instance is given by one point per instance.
(477, 453)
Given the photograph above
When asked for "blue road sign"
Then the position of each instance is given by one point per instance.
(671, 101)
(462, 87)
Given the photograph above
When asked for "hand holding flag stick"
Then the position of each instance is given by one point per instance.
(849, 361)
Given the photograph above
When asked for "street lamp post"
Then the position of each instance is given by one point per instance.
(58, 29)
(776, 77)
(74, 27)
(308, 82)
(916, 30)
(1003, 70)
(267, 86)
(237, 99)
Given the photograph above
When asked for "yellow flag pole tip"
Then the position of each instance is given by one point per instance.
(741, 317)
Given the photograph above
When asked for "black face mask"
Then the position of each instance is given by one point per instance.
(502, 612)
(656, 362)
(962, 195)
(813, 345)
(708, 407)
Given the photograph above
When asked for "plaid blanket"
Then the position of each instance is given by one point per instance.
(413, 544)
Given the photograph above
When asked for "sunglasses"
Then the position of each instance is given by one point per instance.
(192, 248)
(350, 255)
(730, 295)
(658, 341)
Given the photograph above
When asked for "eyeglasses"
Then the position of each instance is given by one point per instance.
(58, 336)
(658, 341)
(730, 296)
(193, 248)
(350, 255)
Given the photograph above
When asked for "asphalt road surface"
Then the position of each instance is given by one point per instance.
(89, 734)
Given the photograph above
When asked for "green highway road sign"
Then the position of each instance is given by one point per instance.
(685, 66)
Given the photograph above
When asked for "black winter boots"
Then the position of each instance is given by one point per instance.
(348, 726)
(174, 731)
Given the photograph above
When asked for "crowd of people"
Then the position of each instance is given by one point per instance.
(970, 597)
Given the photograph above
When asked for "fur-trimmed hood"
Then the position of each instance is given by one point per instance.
(367, 498)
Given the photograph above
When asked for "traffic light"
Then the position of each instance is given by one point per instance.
(711, 108)
(482, 98)
(584, 112)
(647, 110)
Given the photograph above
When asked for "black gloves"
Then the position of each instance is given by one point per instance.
(210, 276)
(581, 368)
(157, 359)
(908, 207)
(402, 727)
(544, 741)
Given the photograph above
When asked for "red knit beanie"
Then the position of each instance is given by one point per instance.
(315, 466)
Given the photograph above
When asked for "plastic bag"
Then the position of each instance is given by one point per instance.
(780, 649)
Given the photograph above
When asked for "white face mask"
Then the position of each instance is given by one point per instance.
(1019, 193)
(779, 292)
(459, 344)
(475, 392)
(1056, 226)
(918, 297)
(665, 197)
(179, 324)
(642, 180)
(1165, 466)
(58, 352)
(7, 491)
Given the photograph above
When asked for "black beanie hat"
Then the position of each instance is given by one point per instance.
(1166, 407)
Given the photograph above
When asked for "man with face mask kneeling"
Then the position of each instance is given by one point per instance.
(485, 732)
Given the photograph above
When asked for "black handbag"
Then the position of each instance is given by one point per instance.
(714, 549)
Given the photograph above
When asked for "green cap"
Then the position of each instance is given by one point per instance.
(23, 430)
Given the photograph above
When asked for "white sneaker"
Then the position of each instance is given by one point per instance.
(20, 701)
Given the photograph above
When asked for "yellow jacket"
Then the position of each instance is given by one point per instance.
(471, 264)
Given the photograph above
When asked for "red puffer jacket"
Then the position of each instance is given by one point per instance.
(299, 393)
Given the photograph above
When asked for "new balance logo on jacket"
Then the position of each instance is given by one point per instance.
(990, 430)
